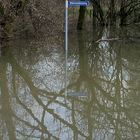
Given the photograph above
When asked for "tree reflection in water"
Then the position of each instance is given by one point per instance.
(32, 103)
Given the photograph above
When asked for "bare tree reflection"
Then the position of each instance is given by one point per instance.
(32, 108)
(6, 110)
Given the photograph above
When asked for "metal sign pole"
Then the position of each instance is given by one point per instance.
(66, 25)
(66, 43)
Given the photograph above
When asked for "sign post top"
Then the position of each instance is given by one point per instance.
(74, 3)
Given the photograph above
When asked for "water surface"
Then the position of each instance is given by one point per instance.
(34, 104)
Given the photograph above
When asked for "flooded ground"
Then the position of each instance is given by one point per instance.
(102, 97)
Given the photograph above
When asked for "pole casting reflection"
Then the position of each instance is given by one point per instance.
(69, 3)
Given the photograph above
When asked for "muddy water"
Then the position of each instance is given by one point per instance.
(102, 101)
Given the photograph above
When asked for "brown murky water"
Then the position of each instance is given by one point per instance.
(103, 84)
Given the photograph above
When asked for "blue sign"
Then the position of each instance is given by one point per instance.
(78, 3)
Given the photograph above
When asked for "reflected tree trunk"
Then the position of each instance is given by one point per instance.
(123, 14)
(94, 16)
(89, 117)
(112, 17)
(81, 18)
(75, 134)
(83, 56)
(97, 13)
(118, 85)
(5, 102)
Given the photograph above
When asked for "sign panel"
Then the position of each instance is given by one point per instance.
(72, 3)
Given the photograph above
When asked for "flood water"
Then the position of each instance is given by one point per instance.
(98, 98)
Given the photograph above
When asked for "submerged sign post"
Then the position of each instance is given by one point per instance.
(71, 3)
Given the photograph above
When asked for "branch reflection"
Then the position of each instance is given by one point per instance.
(32, 90)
